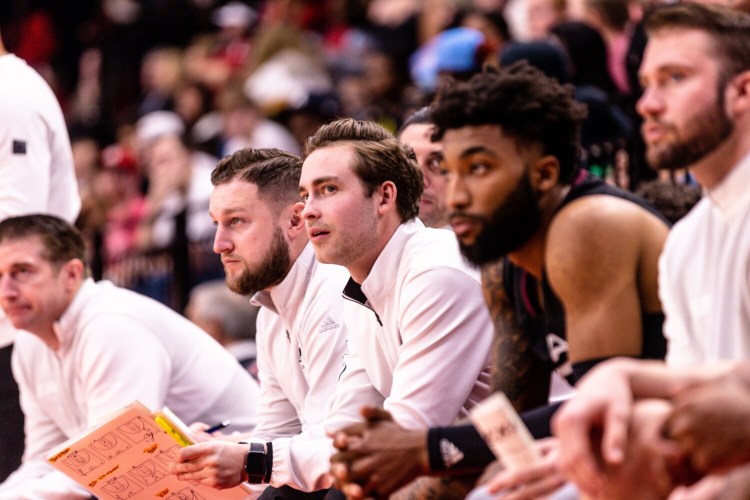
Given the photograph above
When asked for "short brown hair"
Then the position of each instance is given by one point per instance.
(61, 241)
(380, 157)
(275, 172)
(728, 28)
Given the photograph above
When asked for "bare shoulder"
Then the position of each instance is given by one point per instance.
(601, 235)
(604, 220)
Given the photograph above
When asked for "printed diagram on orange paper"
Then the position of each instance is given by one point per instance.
(128, 457)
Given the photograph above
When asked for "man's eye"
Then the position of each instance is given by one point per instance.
(434, 167)
(676, 76)
(329, 189)
(478, 168)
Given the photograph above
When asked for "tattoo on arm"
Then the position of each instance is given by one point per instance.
(517, 371)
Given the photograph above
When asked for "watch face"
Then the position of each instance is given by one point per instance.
(256, 465)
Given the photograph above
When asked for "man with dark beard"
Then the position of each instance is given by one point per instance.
(579, 283)
(300, 334)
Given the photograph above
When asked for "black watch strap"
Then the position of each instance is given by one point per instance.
(269, 462)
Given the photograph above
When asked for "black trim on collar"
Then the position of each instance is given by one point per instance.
(353, 292)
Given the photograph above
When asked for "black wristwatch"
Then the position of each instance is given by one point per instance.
(257, 463)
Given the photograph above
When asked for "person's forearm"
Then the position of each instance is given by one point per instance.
(654, 379)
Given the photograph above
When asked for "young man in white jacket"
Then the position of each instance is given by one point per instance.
(423, 335)
(301, 335)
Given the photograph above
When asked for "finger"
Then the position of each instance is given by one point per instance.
(340, 440)
(373, 414)
(192, 452)
(351, 430)
(385, 484)
(340, 470)
(353, 491)
(616, 421)
(577, 458)
(362, 468)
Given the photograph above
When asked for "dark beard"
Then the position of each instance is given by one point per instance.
(510, 226)
(271, 271)
(713, 130)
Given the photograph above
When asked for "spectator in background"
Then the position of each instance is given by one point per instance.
(36, 175)
(612, 19)
(245, 126)
(232, 46)
(491, 24)
(542, 15)
(176, 218)
(118, 183)
(161, 73)
(227, 317)
(606, 131)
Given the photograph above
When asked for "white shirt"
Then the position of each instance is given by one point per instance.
(427, 362)
(704, 276)
(301, 339)
(116, 347)
(36, 162)
(425, 336)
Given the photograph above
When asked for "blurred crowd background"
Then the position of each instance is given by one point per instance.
(155, 91)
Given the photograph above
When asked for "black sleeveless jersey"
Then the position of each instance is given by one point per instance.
(545, 323)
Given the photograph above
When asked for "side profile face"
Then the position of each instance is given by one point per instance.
(682, 103)
(493, 208)
(33, 292)
(432, 209)
(249, 238)
(342, 221)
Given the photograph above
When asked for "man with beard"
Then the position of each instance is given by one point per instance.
(300, 333)
(580, 260)
(696, 109)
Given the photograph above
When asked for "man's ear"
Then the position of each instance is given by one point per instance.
(544, 173)
(737, 97)
(73, 273)
(388, 193)
(293, 218)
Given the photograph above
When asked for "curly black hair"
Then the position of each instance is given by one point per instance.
(530, 107)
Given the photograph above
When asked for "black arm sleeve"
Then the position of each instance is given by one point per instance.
(460, 448)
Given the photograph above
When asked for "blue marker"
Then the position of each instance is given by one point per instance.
(217, 427)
